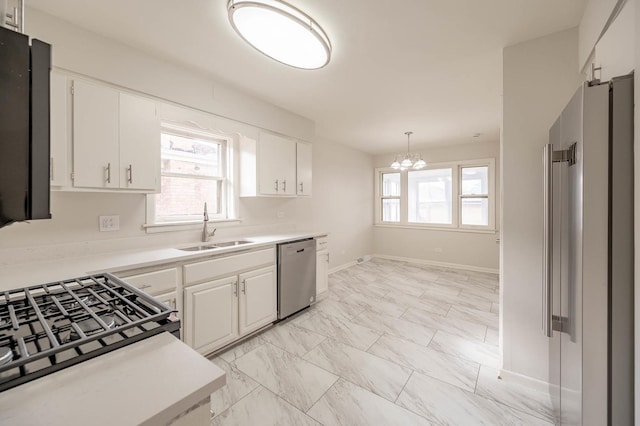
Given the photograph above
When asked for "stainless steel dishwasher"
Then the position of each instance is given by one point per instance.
(296, 276)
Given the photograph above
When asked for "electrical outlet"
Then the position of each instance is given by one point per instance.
(109, 223)
(280, 215)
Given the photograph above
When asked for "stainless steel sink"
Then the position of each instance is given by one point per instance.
(199, 248)
(213, 246)
(231, 243)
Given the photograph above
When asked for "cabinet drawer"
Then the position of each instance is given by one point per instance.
(228, 265)
(155, 282)
(322, 243)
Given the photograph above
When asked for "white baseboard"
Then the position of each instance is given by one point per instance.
(523, 380)
(440, 264)
(344, 266)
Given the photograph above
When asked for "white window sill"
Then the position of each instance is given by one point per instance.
(153, 228)
(436, 228)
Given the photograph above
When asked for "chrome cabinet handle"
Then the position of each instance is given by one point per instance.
(276, 185)
(284, 185)
(547, 246)
(108, 172)
(244, 286)
(130, 173)
(301, 187)
(142, 287)
(235, 288)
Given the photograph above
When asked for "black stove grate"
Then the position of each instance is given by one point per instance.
(52, 326)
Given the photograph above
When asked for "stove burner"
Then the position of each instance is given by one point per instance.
(6, 356)
(91, 326)
(47, 327)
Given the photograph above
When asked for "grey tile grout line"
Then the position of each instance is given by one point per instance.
(404, 386)
(293, 406)
(229, 407)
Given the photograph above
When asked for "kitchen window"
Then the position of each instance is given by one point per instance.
(457, 195)
(194, 169)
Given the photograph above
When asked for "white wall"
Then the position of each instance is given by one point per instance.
(469, 249)
(342, 200)
(540, 76)
(594, 19)
(341, 204)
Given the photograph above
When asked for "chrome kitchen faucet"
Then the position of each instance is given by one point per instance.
(205, 232)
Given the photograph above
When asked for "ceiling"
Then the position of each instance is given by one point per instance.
(430, 66)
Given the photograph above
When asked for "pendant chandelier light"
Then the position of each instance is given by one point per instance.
(407, 160)
(281, 31)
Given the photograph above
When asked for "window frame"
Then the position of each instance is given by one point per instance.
(456, 197)
(228, 194)
(389, 197)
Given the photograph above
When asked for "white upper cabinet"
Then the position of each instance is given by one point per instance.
(303, 169)
(96, 154)
(276, 165)
(268, 167)
(139, 143)
(116, 139)
(59, 119)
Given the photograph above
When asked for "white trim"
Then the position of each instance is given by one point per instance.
(341, 267)
(526, 381)
(432, 228)
(440, 264)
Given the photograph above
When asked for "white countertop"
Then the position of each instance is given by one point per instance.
(32, 273)
(148, 382)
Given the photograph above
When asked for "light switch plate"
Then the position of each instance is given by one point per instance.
(109, 223)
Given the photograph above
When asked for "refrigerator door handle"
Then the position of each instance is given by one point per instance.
(547, 246)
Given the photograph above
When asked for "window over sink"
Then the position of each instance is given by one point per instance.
(454, 195)
(196, 167)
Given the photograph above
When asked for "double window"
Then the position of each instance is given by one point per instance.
(451, 195)
(194, 169)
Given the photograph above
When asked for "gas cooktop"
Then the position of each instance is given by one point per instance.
(48, 327)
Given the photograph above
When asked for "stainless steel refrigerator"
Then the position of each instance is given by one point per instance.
(588, 256)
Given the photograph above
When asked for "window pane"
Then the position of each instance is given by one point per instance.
(190, 156)
(391, 184)
(475, 180)
(391, 210)
(430, 196)
(186, 197)
(475, 211)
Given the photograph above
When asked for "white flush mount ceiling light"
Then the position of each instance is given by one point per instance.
(409, 161)
(281, 31)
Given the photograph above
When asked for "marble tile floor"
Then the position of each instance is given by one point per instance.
(391, 343)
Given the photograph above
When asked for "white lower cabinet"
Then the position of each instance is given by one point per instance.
(322, 265)
(211, 314)
(219, 310)
(258, 299)
(322, 271)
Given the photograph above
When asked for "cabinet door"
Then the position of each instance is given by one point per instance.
(258, 299)
(139, 143)
(59, 131)
(303, 169)
(322, 271)
(170, 299)
(277, 165)
(95, 136)
(211, 314)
